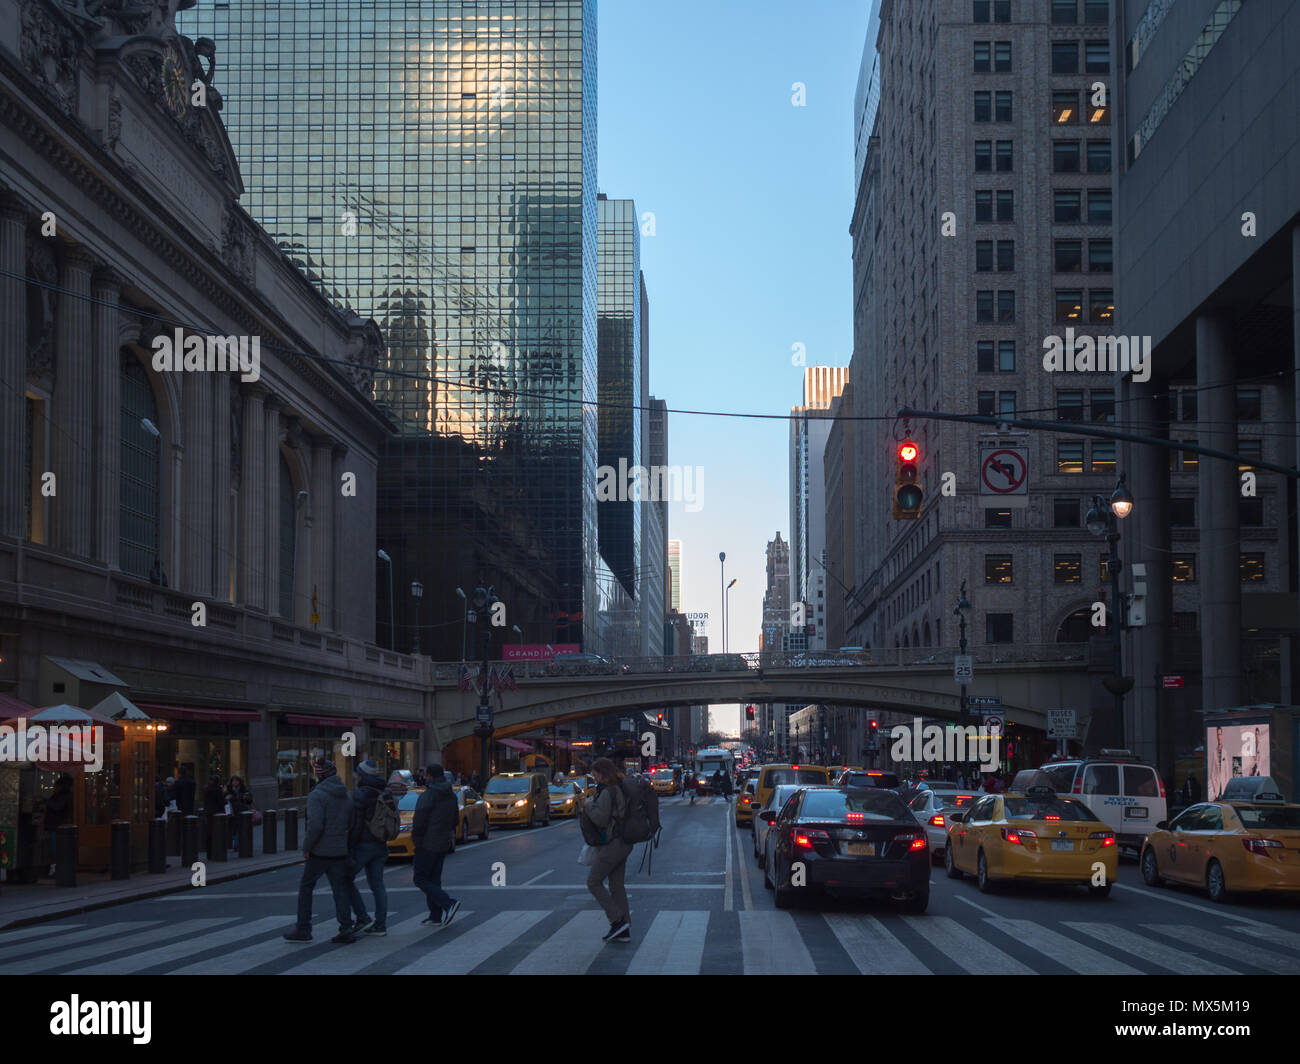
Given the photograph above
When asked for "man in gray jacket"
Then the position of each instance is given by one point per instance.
(433, 830)
(325, 847)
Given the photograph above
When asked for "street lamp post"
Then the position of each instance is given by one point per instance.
(464, 624)
(1103, 520)
(392, 623)
(722, 558)
(519, 632)
(417, 593)
(483, 600)
(726, 613)
(962, 609)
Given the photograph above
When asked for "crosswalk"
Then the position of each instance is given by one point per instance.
(671, 942)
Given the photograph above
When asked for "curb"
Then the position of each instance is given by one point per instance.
(91, 906)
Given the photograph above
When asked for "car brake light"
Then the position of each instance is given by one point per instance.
(809, 840)
(1078, 785)
(937, 820)
(1261, 845)
(1051, 816)
(1107, 838)
(1015, 836)
(854, 818)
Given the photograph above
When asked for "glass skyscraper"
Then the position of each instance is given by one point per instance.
(433, 165)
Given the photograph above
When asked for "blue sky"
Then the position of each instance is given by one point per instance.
(752, 199)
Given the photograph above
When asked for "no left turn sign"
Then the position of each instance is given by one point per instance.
(1004, 471)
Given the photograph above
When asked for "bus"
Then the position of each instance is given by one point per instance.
(708, 761)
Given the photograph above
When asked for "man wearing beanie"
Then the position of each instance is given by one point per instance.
(325, 847)
(369, 852)
(433, 831)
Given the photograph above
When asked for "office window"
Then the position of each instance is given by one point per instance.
(985, 404)
(1002, 57)
(981, 11)
(997, 518)
(1096, 57)
(1099, 206)
(1191, 460)
(1098, 114)
(997, 568)
(1069, 456)
(1001, 10)
(1101, 306)
(1069, 406)
(984, 356)
(1006, 256)
(1067, 205)
(1096, 12)
(1069, 305)
(1249, 404)
(1006, 205)
(1067, 568)
(1002, 107)
(1007, 356)
(1250, 512)
(1007, 404)
(983, 155)
(984, 306)
(1065, 107)
(1251, 449)
(1103, 404)
(1065, 12)
(1065, 513)
(1101, 256)
(1065, 57)
(1067, 256)
(984, 206)
(984, 106)
(1098, 156)
(1005, 160)
(1103, 456)
(997, 628)
(1007, 306)
(1252, 567)
(1065, 156)
(1182, 512)
(1182, 568)
(983, 57)
(983, 255)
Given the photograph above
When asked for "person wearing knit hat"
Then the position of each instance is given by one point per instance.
(368, 850)
(325, 848)
(323, 768)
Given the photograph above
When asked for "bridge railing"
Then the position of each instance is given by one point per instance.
(897, 657)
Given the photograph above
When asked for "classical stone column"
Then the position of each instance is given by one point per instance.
(270, 532)
(105, 288)
(323, 515)
(1218, 568)
(73, 416)
(221, 530)
(344, 555)
(253, 551)
(196, 484)
(13, 364)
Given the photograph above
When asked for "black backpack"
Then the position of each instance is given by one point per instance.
(384, 822)
(641, 819)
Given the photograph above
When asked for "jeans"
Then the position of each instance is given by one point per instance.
(428, 877)
(611, 864)
(371, 856)
(334, 869)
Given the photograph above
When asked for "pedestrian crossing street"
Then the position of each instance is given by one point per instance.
(673, 942)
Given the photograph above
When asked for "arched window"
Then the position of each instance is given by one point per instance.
(1076, 628)
(905, 640)
(288, 540)
(138, 520)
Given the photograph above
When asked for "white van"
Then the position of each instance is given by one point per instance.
(1121, 789)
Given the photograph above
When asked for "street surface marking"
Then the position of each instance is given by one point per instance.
(772, 945)
(1168, 897)
(571, 949)
(9, 938)
(872, 947)
(728, 902)
(138, 962)
(964, 947)
(674, 945)
(465, 953)
(1246, 952)
(1274, 934)
(57, 956)
(1064, 950)
(535, 878)
(1176, 960)
(354, 958)
(742, 870)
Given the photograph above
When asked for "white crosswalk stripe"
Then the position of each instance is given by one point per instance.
(772, 945)
(1064, 950)
(469, 950)
(964, 947)
(105, 933)
(872, 947)
(58, 957)
(1274, 935)
(571, 949)
(138, 962)
(1232, 948)
(673, 945)
(369, 948)
(21, 934)
(1176, 960)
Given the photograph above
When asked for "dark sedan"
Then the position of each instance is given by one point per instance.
(857, 842)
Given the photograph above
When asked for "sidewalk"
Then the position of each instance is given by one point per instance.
(30, 903)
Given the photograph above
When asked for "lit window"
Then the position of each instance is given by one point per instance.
(1065, 107)
(1069, 456)
(997, 568)
(1069, 305)
(1183, 568)
(1103, 456)
(1101, 306)
(997, 518)
(1068, 568)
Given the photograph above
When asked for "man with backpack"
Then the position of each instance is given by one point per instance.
(374, 825)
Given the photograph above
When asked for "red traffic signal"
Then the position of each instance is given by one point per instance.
(749, 712)
(908, 451)
(908, 495)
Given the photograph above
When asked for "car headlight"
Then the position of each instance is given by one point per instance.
(568, 801)
(521, 802)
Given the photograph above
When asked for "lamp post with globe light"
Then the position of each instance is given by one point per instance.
(1103, 520)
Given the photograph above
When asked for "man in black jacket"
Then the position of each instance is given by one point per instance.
(185, 792)
(366, 850)
(433, 831)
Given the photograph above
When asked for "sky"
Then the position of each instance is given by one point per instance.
(752, 199)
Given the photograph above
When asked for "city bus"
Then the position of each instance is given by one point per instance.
(708, 761)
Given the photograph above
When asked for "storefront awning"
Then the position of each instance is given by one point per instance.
(199, 713)
(321, 722)
(400, 725)
(515, 744)
(13, 707)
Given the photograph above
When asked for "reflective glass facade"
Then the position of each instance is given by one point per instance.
(432, 165)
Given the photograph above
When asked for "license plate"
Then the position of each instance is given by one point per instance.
(860, 849)
(1064, 845)
(1136, 812)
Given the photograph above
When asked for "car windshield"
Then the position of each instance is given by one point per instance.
(873, 805)
(662, 774)
(504, 786)
(1045, 808)
(872, 779)
(561, 789)
(778, 776)
(1280, 817)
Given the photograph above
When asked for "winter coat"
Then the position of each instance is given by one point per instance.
(329, 811)
(369, 789)
(239, 798)
(606, 810)
(58, 808)
(214, 799)
(437, 815)
(184, 791)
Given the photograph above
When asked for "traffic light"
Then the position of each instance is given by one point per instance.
(908, 495)
(749, 712)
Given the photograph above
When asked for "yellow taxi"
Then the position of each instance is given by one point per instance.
(772, 776)
(662, 780)
(518, 798)
(404, 845)
(1228, 846)
(566, 799)
(473, 820)
(1038, 835)
(586, 784)
(746, 803)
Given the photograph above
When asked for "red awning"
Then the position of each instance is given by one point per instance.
(400, 725)
(322, 722)
(515, 744)
(199, 713)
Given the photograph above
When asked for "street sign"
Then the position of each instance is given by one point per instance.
(992, 723)
(963, 668)
(984, 700)
(1172, 683)
(484, 714)
(1062, 724)
(1004, 476)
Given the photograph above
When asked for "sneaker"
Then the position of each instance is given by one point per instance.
(447, 916)
(377, 930)
(617, 928)
(344, 938)
(623, 936)
(431, 919)
(297, 936)
(363, 925)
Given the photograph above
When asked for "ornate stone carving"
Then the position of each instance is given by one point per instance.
(113, 130)
(42, 308)
(293, 434)
(237, 242)
(49, 49)
(362, 355)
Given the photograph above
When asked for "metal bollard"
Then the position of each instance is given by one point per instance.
(218, 836)
(189, 841)
(270, 841)
(290, 830)
(158, 831)
(65, 856)
(119, 849)
(245, 828)
(174, 822)
(205, 826)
